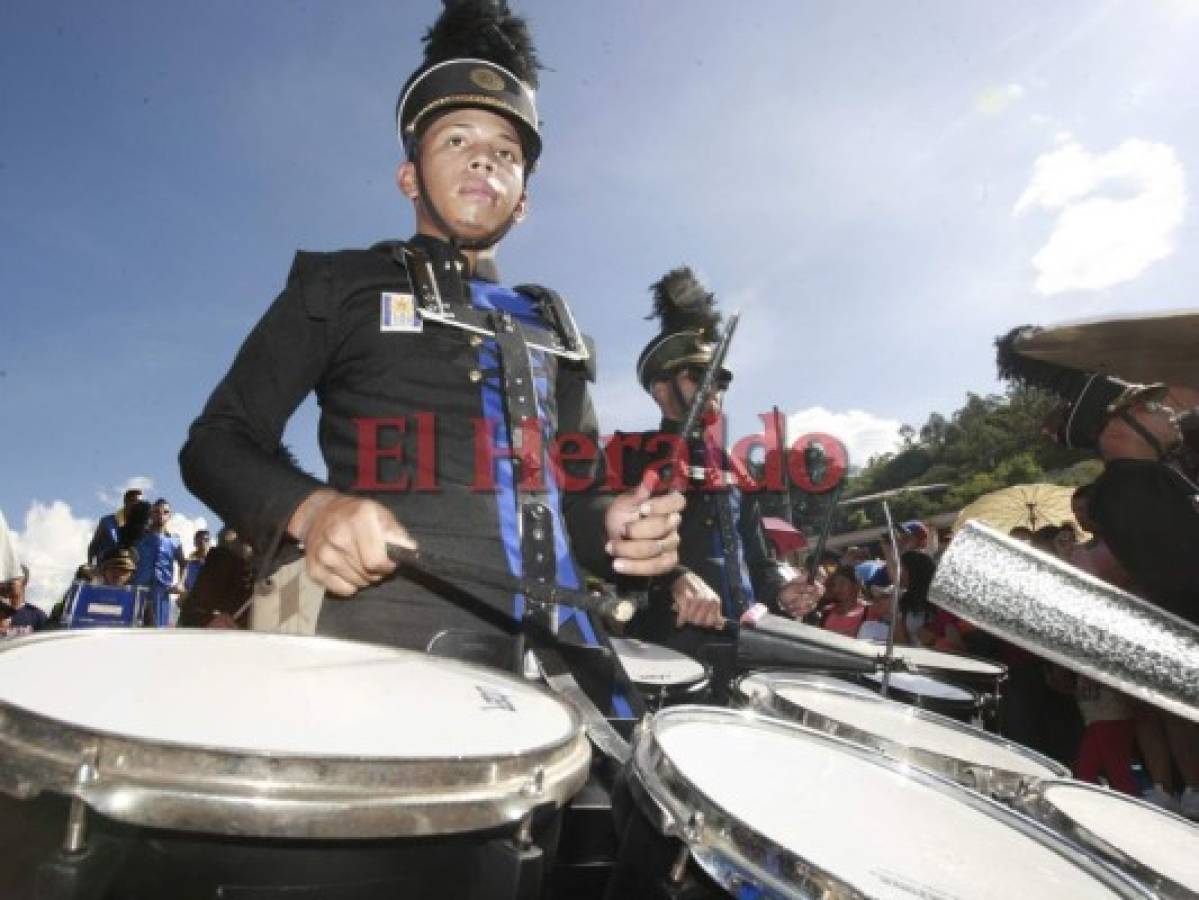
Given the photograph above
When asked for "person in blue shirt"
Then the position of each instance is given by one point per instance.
(108, 532)
(202, 543)
(159, 552)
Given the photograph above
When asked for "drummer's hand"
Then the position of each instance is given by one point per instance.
(695, 603)
(643, 534)
(345, 540)
(797, 598)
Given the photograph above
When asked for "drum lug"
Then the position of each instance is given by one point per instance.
(535, 786)
(678, 869)
(75, 839)
(524, 834)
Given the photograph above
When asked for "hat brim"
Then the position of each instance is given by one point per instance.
(1137, 393)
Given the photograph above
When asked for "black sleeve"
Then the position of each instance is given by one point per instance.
(584, 500)
(233, 459)
(1147, 517)
(93, 547)
(763, 571)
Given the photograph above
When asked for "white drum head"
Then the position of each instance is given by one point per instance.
(652, 664)
(925, 658)
(278, 694)
(922, 686)
(903, 725)
(760, 685)
(1163, 843)
(840, 810)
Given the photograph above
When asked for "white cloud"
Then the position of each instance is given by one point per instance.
(115, 496)
(53, 544)
(1118, 212)
(186, 528)
(996, 100)
(864, 434)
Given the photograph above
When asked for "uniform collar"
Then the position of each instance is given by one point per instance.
(439, 251)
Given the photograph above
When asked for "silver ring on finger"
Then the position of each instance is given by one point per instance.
(662, 549)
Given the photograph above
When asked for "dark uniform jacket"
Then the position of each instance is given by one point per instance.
(382, 393)
(1148, 515)
(699, 533)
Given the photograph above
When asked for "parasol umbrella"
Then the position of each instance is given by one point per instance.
(1032, 506)
(783, 535)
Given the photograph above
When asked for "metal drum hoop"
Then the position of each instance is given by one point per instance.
(927, 702)
(280, 795)
(820, 681)
(1035, 803)
(734, 854)
(986, 683)
(1000, 783)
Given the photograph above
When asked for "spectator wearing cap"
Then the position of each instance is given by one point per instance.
(116, 568)
(24, 618)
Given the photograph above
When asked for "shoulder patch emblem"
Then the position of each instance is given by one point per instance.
(397, 312)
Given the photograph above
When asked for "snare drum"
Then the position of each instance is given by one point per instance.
(813, 816)
(664, 676)
(278, 764)
(983, 676)
(754, 689)
(970, 756)
(928, 693)
(1159, 848)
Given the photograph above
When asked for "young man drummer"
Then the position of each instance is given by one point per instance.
(440, 388)
(724, 565)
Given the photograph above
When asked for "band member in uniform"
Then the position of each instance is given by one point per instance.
(723, 566)
(442, 390)
(1144, 509)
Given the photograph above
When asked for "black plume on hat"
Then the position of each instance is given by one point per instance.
(1014, 366)
(483, 29)
(477, 55)
(690, 327)
(683, 304)
(1092, 397)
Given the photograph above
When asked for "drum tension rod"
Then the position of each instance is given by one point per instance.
(75, 839)
(678, 870)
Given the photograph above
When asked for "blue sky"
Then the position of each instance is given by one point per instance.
(882, 188)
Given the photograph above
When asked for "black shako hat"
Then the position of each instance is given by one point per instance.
(1092, 398)
(690, 327)
(479, 55)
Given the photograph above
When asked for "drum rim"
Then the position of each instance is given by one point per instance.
(728, 849)
(997, 676)
(971, 702)
(160, 784)
(1035, 803)
(1003, 783)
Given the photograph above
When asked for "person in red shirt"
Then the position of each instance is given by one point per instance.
(843, 596)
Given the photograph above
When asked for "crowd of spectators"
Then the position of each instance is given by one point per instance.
(135, 552)
(1141, 538)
